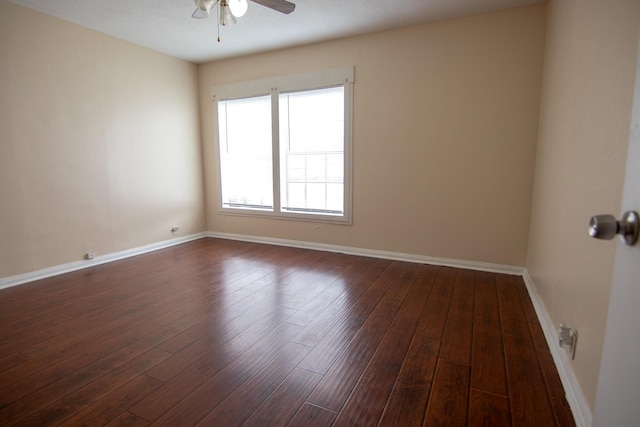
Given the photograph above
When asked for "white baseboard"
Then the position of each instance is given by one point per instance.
(396, 256)
(20, 279)
(575, 398)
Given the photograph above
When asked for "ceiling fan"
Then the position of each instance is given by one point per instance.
(229, 10)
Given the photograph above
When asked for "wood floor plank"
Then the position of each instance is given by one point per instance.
(525, 300)
(82, 398)
(457, 337)
(340, 379)
(347, 284)
(530, 404)
(23, 396)
(218, 367)
(193, 408)
(486, 298)
(301, 287)
(167, 331)
(247, 398)
(435, 314)
(11, 360)
(314, 308)
(349, 322)
(283, 404)
(509, 302)
(116, 403)
(127, 419)
(256, 326)
(488, 368)
(449, 400)
(21, 341)
(365, 291)
(367, 401)
(313, 416)
(488, 410)
(407, 403)
(223, 332)
(237, 316)
(136, 311)
(47, 298)
(561, 408)
(31, 334)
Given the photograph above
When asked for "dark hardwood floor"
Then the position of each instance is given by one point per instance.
(225, 333)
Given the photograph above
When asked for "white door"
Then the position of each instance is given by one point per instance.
(618, 395)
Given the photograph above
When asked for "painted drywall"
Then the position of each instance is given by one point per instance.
(584, 128)
(444, 132)
(99, 143)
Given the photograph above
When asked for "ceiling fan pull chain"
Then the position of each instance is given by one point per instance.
(218, 22)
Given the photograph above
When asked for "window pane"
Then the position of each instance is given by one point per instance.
(312, 151)
(335, 196)
(245, 153)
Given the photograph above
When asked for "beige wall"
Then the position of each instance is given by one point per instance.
(584, 128)
(99, 143)
(445, 122)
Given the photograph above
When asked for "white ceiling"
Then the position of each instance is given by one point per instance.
(166, 25)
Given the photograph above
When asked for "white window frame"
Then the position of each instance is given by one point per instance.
(343, 76)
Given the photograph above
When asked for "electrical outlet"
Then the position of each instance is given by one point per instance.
(567, 337)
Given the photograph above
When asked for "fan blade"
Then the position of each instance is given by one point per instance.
(200, 14)
(283, 6)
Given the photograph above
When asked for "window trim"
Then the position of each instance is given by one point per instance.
(342, 76)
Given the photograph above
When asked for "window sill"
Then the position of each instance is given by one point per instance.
(316, 218)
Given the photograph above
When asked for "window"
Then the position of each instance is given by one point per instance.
(284, 146)
(244, 127)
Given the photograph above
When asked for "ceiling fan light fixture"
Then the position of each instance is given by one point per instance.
(206, 5)
(238, 7)
(229, 10)
(226, 16)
